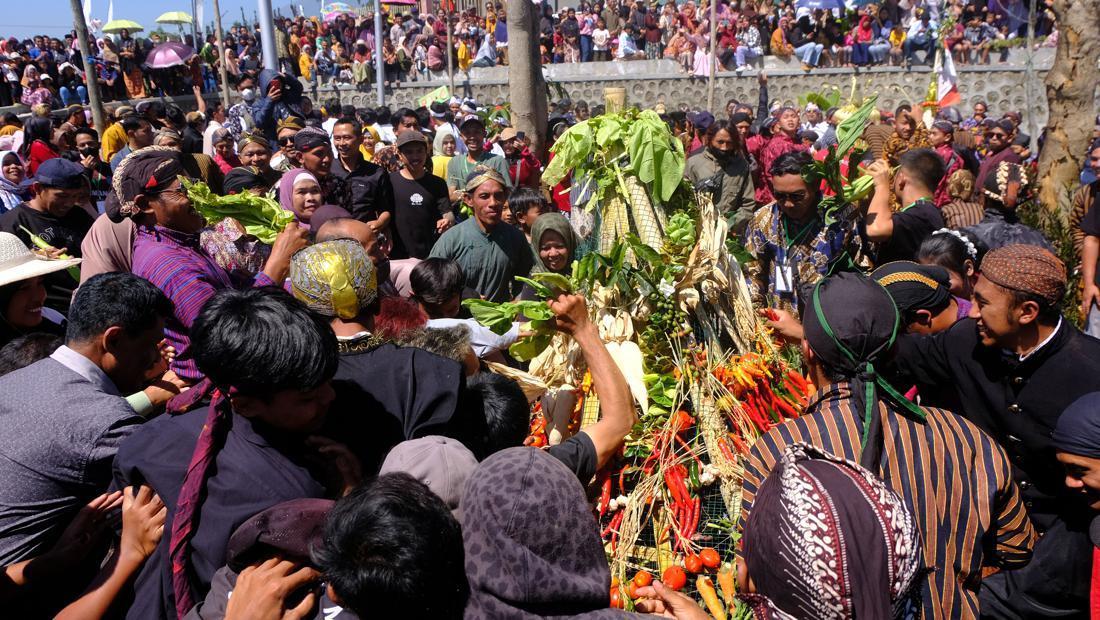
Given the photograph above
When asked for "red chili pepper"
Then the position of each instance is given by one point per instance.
(622, 475)
(689, 450)
(772, 316)
(616, 522)
(605, 494)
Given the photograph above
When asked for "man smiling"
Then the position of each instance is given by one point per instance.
(491, 252)
(369, 192)
(460, 166)
(1016, 365)
(422, 209)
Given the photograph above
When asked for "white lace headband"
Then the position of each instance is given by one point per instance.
(970, 249)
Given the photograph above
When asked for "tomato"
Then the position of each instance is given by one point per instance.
(616, 599)
(643, 578)
(710, 557)
(538, 441)
(632, 590)
(674, 578)
(692, 563)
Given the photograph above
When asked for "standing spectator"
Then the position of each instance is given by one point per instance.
(784, 140)
(652, 35)
(279, 97)
(239, 117)
(490, 251)
(601, 42)
(139, 134)
(97, 171)
(476, 158)
(130, 56)
(523, 166)
(721, 171)
(12, 174)
(369, 192)
(215, 120)
(422, 207)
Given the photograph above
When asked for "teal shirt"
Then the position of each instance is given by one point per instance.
(460, 167)
(491, 261)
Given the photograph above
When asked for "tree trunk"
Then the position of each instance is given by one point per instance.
(1071, 92)
(525, 83)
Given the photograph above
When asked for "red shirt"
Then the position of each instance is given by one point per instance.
(40, 152)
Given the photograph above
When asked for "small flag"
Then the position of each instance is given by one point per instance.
(947, 80)
(440, 94)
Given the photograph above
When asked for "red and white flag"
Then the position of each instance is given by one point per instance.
(947, 81)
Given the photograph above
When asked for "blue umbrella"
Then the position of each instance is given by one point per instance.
(828, 5)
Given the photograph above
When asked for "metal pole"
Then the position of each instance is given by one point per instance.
(267, 35)
(91, 76)
(221, 55)
(194, 27)
(1029, 76)
(379, 65)
(450, 53)
(713, 59)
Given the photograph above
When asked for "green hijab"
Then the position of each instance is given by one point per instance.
(557, 223)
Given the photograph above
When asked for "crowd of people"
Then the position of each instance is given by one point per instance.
(341, 50)
(302, 422)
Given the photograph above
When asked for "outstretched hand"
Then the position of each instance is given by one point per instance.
(570, 312)
(660, 600)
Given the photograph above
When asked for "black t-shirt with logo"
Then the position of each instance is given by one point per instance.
(417, 206)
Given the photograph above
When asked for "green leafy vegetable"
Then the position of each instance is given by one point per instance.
(656, 157)
(554, 280)
(261, 217)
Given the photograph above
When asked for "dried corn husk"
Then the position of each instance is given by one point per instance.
(628, 357)
(533, 387)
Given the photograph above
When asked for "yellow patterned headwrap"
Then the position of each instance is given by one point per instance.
(335, 278)
(482, 174)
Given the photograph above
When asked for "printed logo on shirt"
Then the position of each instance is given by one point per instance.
(416, 200)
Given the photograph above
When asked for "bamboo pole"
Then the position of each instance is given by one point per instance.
(221, 55)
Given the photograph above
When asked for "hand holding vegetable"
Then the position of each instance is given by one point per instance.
(784, 324)
(879, 170)
(659, 600)
(570, 313)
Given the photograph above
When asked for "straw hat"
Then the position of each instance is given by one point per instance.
(17, 263)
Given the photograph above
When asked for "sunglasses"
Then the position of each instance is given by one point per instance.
(791, 197)
(286, 141)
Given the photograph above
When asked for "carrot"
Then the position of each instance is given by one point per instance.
(706, 590)
(725, 583)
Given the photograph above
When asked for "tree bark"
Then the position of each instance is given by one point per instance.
(526, 85)
(1071, 91)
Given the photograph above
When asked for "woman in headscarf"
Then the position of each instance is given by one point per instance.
(371, 138)
(557, 568)
(300, 193)
(223, 151)
(33, 90)
(254, 150)
(862, 37)
(828, 540)
(12, 174)
(1005, 189)
(554, 243)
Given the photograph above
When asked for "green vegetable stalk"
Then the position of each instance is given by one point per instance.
(499, 317)
(40, 243)
(261, 217)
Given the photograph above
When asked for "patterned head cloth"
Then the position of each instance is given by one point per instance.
(335, 278)
(252, 138)
(851, 324)
(290, 122)
(1028, 269)
(914, 287)
(310, 138)
(960, 185)
(480, 175)
(144, 171)
(826, 539)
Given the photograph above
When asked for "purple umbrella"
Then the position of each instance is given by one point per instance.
(170, 54)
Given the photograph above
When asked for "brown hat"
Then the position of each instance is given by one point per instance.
(124, 110)
(508, 134)
(1028, 269)
(410, 136)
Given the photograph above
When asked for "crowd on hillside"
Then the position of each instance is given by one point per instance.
(302, 422)
(414, 47)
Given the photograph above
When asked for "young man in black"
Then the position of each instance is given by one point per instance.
(422, 206)
(900, 234)
(55, 216)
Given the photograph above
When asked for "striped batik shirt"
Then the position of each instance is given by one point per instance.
(954, 477)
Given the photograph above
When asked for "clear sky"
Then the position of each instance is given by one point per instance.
(25, 18)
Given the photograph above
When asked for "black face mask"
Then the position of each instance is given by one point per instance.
(720, 155)
(90, 150)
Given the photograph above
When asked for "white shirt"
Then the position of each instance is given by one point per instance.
(1044, 342)
(208, 137)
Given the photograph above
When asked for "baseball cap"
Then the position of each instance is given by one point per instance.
(702, 120)
(60, 173)
(442, 463)
(410, 136)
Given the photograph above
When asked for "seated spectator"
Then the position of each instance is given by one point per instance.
(115, 326)
(870, 563)
(271, 361)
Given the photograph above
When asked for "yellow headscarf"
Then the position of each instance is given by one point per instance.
(368, 154)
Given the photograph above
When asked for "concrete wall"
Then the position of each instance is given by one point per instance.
(1002, 86)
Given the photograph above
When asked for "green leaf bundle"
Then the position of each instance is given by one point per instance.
(261, 217)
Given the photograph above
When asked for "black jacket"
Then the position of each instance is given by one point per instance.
(1018, 403)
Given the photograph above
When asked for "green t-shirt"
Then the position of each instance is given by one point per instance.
(491, 261)
(460, 167)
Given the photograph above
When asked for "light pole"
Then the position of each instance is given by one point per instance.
(267, 35)
(91, 76)
(379, 64)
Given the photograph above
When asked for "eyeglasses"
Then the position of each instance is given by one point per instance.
(999, 136)
(791, 197)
